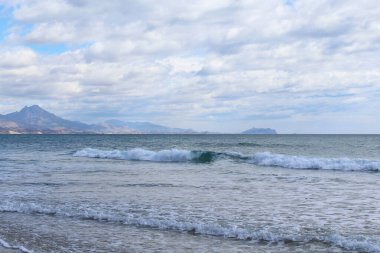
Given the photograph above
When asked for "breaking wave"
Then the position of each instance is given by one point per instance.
(139, 154)
(260, 159)
(302, 162)
(267, 234)
(8, 246)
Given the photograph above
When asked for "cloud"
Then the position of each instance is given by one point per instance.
(17, 57)
(194, 64)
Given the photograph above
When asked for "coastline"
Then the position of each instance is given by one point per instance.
(6, 250)
(5, 247)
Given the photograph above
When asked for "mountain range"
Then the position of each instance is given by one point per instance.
(35, 120)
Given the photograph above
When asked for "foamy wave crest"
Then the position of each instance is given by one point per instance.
(8, 246)
(261, 159)
(139, 154)
(269, 234)
(302, 162)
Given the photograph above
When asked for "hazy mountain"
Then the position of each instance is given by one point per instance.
(259, 131)
(34, 119)
(109, 128)
(4, 123)
(147, 127)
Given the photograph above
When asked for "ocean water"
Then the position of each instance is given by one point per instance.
(190, 193)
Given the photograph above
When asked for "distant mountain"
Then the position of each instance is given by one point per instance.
(34, 119)
(259, 131)
(146, 127)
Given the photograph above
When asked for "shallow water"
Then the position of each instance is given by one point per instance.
(190, 193)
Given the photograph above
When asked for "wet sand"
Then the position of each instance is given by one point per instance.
(5, 250)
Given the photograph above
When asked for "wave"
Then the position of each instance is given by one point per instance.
(267, 145)
(8, 246)
(355, 243)
(166, 155)
(302, 162)
(247, 144)
(138, 154)
(260, 159)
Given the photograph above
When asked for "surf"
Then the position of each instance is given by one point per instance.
(269, 234)
(264, 159)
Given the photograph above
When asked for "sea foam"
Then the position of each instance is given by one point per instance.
(8, 246)
(139, 154)
(302, 162)
(268, 234)
(260, 159)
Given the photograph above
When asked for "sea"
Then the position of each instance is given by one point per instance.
(190, 193)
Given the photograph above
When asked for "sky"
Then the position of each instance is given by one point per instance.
(298, 66)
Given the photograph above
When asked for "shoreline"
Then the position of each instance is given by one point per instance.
(7, 250)
(5, 247)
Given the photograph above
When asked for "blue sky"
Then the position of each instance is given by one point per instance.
(5, 20)
(219, 65)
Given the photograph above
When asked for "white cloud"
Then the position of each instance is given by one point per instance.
(198, 63)
(17, 57)
(52, 33)
(41, 10)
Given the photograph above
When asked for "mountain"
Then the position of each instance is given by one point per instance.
(34, 119)
(146, 127)
(6, 124)
(108, 128)
(259, 131)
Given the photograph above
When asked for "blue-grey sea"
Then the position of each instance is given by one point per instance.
(190, 193)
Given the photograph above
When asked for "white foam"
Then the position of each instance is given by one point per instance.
(262, 158)
(8, 246)
(357, 243)
(4, 244)
(139, 154)
(352, 243)
(302, 162)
